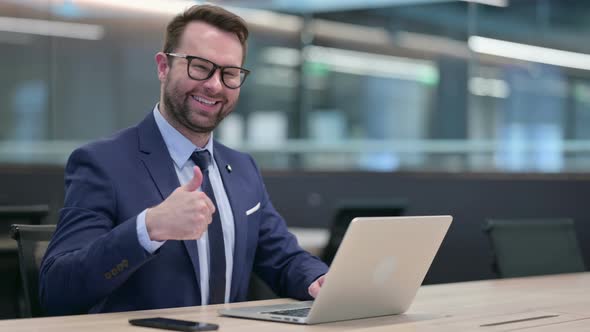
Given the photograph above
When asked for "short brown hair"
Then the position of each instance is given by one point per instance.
(214, 15)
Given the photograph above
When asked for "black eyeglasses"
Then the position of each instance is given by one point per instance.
(200, 69)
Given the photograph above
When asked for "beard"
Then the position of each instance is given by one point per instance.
(177, 105)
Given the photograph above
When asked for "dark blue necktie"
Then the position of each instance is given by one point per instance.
(216, 246)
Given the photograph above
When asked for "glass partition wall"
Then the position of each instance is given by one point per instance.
(460, 86)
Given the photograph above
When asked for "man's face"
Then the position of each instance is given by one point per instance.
(199, 106)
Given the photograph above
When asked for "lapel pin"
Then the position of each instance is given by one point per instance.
(228, 167)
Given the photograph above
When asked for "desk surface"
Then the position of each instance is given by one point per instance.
(564, 301)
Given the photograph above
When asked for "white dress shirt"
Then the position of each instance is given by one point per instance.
(180, 149)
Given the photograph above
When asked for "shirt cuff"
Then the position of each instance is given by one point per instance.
(143, 236)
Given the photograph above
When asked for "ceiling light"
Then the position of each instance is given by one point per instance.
(531, 53)
(171, 7)
(51, 28)
(361, 63)
(497, 3)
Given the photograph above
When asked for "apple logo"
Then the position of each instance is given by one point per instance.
(384, 270)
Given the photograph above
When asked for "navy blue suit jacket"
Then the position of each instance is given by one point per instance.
(95, 262)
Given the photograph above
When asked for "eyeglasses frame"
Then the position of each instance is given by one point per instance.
(189, 59)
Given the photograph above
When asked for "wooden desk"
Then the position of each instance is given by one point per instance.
(448, 307)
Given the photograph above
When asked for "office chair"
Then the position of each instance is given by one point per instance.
(32, 241)
(10, 288)
(352, 209)
(534, 247)
(259, 290)
(22, 214)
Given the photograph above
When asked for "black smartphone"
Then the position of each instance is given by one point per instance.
(173, 324)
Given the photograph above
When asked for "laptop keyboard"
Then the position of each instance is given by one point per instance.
(299, 312)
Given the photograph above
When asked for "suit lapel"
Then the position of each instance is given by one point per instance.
(157, 160)
(232, 190)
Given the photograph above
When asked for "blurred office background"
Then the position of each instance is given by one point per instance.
(475, 108)
(494, 85)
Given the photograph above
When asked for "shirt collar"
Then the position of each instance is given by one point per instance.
(179, 147)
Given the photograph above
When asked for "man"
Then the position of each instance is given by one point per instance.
(162, 215)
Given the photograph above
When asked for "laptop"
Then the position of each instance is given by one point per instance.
(377, 271)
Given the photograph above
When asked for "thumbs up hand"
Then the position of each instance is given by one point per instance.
(184, 215)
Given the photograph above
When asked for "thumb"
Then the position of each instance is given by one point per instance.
(195, 182)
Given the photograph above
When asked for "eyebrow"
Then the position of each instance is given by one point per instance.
(202, 57)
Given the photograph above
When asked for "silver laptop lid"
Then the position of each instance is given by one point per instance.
(379, 267)
(377, 271)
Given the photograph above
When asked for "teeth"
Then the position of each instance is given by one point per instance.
(204, 101)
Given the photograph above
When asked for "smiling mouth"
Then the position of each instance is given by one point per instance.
(204, 101)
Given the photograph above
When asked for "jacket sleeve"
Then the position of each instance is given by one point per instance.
(280, 261)
(91, 253)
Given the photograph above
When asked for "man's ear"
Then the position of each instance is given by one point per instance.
(162, 66)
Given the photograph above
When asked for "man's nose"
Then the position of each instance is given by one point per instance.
(214, 83)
